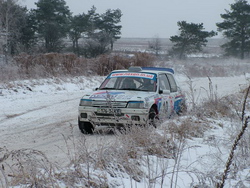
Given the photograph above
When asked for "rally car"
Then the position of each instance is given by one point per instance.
(136, 96)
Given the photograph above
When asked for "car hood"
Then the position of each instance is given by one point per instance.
(119, 95)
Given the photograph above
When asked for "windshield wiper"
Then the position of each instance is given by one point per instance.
(107, 88)
(134, 89)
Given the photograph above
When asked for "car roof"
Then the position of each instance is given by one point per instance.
(155, 70)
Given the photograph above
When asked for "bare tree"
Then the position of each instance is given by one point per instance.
(12, 20)
(155, 45)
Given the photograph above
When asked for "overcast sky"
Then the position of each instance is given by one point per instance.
(151, 18)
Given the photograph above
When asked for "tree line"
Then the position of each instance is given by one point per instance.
(235, 27)
(45, 29)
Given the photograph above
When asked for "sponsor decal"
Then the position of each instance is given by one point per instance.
(151, 97)
(177, 102)
(104, 94)
(132, 74)
(178, 97)
(158, 102)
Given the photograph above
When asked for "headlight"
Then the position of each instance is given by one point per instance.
(135, 104)
(85, 102)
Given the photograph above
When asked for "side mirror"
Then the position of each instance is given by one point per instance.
(95, 89)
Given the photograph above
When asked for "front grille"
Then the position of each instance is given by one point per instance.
(111, 115)
(109, 104)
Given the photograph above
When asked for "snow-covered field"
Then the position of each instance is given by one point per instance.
(42, 115)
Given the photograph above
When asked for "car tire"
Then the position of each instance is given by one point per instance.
(152, 117)
(85, 127)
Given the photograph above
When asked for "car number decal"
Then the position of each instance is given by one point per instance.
(109, 111)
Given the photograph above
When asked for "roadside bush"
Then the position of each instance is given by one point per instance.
(9, 72)
(106, 63)
(145, 140)
(187, 128)
(217, 108)
(50, 64)
(143, 60)
(26, 66)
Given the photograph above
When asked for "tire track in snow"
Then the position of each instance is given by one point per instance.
(11, 116)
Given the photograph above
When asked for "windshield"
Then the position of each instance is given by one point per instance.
(130, 81)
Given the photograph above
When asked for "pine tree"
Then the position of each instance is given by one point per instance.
(108, 24)
(190, 40)
(52, 18)
(236, 28)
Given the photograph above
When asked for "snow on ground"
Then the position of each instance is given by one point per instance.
(41, 114)
(39, 118)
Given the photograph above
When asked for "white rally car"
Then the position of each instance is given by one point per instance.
(136, 96)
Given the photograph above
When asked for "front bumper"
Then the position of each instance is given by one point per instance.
(126, 116)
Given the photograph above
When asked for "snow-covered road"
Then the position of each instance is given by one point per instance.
(45, 120)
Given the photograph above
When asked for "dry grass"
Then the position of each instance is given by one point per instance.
(188, 128)
(26, 66)
(217, 108)
(26, 167)
(139, 140)
(46, 65)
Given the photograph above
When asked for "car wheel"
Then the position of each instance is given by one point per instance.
(86, 127)
(153, 117)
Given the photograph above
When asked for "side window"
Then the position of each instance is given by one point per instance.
(172, 82)
(163, 82)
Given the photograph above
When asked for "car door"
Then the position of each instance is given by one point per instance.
(175, 97)
(164, 90)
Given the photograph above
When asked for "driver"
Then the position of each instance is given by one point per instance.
(129, 83)
(148, 85)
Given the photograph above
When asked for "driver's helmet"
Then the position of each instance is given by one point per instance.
(148, 84)
(129, 83)
(148, 81)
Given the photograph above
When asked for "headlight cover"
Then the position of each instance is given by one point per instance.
(135, 104)
(85, 102)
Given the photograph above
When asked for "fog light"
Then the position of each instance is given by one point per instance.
(84, 115)
(135, 118)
